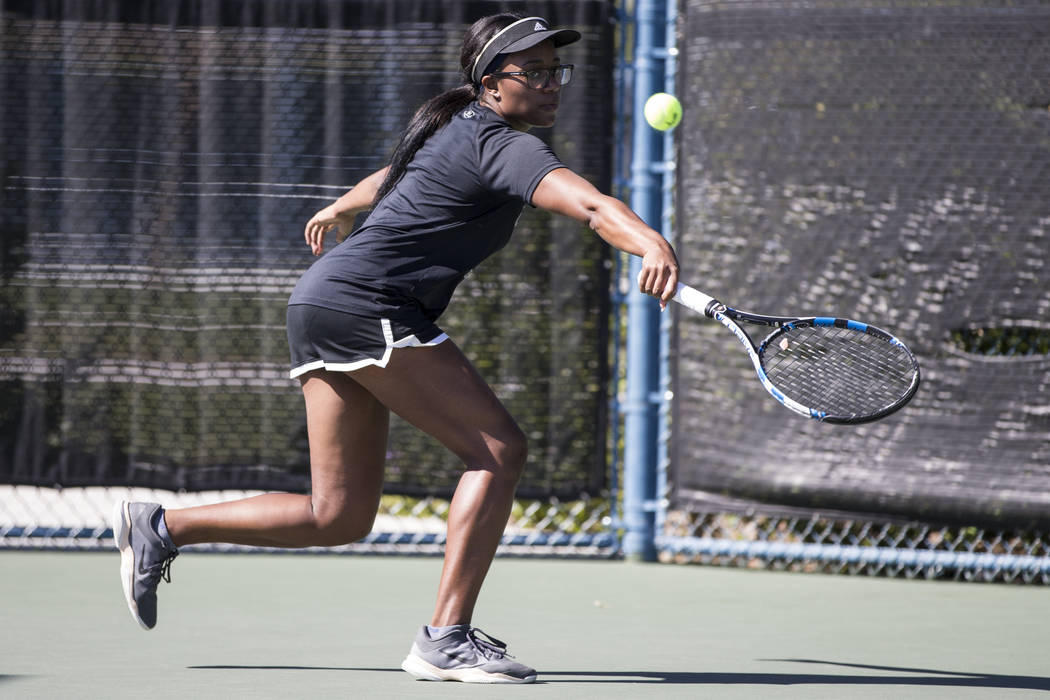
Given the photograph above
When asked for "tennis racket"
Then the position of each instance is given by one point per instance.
(830, 369)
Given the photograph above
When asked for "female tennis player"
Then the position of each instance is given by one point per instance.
(364, 340)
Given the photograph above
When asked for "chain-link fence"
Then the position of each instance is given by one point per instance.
(854, 544)
(157, 162)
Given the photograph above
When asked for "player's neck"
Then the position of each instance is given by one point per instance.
(493, 104)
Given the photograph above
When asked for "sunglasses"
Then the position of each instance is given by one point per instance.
(538, 78)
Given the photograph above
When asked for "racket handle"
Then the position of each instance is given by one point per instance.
(694, 299)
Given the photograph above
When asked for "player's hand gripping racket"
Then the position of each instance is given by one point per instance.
(830, 369)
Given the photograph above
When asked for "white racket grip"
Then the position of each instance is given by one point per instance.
(692, 298)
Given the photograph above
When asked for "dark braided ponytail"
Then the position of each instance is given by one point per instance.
(438, 111)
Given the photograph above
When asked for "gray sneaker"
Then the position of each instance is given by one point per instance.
(464, 654)
(144, 558)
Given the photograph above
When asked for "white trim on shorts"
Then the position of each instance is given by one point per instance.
(410, 341)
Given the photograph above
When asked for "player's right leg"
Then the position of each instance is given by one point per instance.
(347, 430)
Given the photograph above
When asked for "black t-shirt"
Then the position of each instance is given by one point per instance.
(455, 206)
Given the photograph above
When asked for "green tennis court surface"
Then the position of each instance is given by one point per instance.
(306, 626)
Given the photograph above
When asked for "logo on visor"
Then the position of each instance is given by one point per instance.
(539, 27)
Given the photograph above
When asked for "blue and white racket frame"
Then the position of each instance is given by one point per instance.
(710, 307)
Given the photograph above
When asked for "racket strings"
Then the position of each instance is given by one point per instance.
(839, 371)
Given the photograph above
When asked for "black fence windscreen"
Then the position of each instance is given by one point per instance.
(889, 162)
(159, 162)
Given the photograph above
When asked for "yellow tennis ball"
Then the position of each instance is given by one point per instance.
(663, 111)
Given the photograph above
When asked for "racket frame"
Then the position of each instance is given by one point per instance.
(712, 308)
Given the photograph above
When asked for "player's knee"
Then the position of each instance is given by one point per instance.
(513, 452)
(337, 524)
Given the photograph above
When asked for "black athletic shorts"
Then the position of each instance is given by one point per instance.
(342, 342)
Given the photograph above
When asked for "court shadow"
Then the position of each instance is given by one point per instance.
(901, 676)
(886, 676)
(260, 667)
(13, 677)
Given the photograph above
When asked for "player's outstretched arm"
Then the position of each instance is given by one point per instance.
(564, 192)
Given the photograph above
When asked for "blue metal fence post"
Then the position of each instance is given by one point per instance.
(641, 425)
(663, 461)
